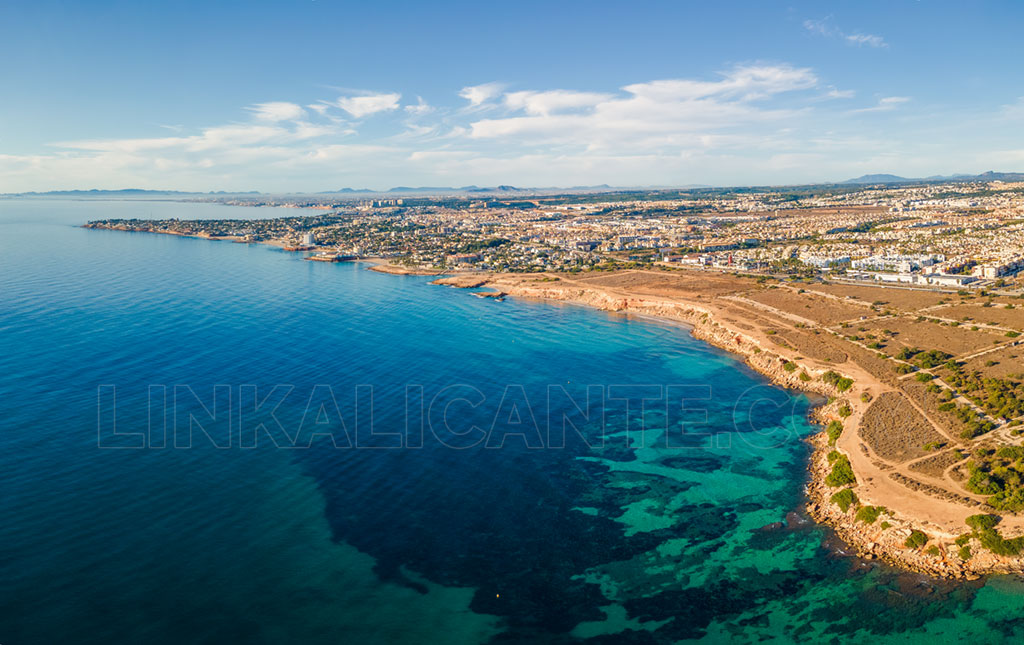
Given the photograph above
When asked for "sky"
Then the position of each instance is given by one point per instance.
(317, 95)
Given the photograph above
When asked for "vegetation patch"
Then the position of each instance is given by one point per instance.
(837, 381)
(845, 499)
(868, 514)
(916, 540)
(842, 471)
(834, 431)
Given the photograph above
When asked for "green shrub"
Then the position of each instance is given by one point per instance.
(842, 471)
(982, 522)
(834, 430)
(991, 540)
(932, 358)
(964, 552)
(789, 366)
(844, 499)
(868, 514)
(1011, 452)
(841, 383)
(962, 539)
(885, 525)
(907, 353)
(916, 540)
(932, 551)
(845, 410)
(865, 397)
(982, 483)
(804, 376)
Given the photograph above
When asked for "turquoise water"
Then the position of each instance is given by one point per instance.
(451, 512)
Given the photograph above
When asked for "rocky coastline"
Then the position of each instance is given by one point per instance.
(883, 540)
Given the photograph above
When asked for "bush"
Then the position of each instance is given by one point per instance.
(804, 376)
(991, 540)
(789, 366)
(868, 514)
(982, 483)
(842, 471)
(1008, 500)
(916, 540)
(982, 522)
(932, 358)
(964, 552)
(865, 397)
(907, 353)
(845, 411)
(923, 377)
(834, 430)
(932, 551)
(844, 499)
(1011, 452)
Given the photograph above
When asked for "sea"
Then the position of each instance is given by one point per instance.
(213, 442)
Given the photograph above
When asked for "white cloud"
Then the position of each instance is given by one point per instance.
(866, 39)
(823, 27)
(277, 111)
(761, 123)
(479, 94)
(367, 104)
(885, 104)
(826, 27)
(552, 101)
(653, 115)
(420, 108)
(840, 94)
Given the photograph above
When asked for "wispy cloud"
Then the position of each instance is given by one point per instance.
(870, 40)
(420, 108)
(835, 93)
(826, 27)
(885, 104)
(277, 111)
(368, 104)
(758, 118)
(477, 95)
(652, 115)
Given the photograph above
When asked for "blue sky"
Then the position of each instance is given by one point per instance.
(315, 95)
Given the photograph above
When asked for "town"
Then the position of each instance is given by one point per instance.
(939, 235)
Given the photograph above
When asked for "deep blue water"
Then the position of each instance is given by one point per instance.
(430, 497)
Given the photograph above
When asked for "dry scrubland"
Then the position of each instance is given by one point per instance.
(925, 407)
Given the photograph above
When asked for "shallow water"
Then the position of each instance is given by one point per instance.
(483, 525)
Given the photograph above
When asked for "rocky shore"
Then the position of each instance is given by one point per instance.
(883, 539)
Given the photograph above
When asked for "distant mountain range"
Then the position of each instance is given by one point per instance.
(124, 192)
(990, 175)
(505, 189)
